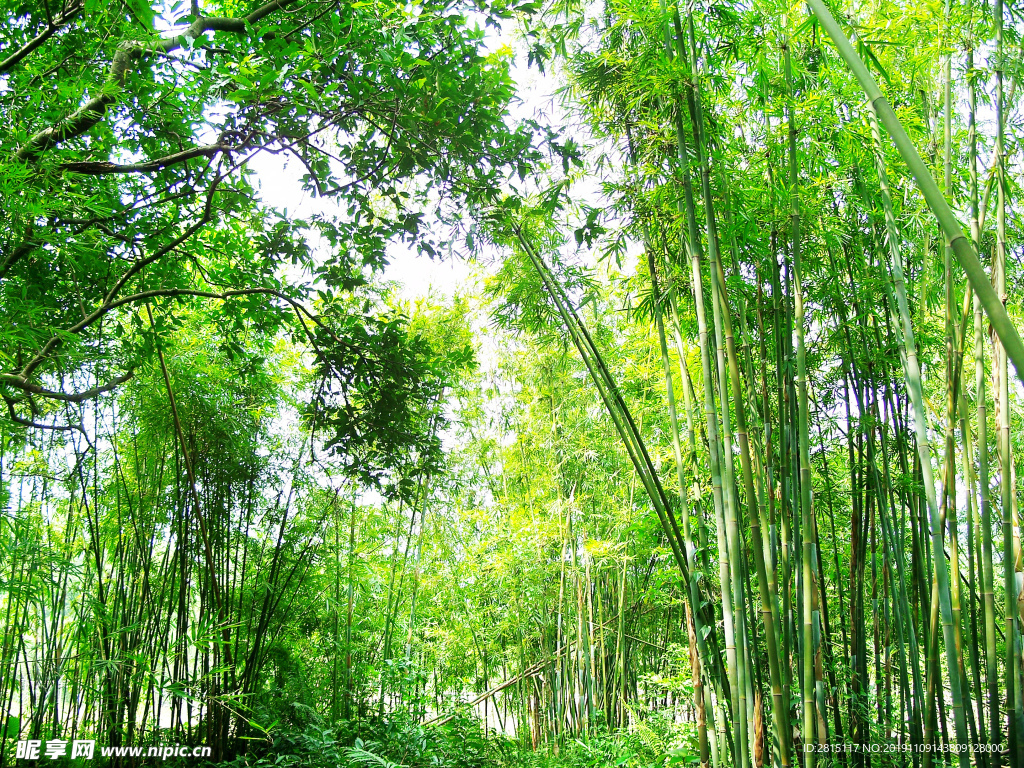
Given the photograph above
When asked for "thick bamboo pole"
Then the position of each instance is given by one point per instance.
(953, 365)
(715, 449)
(1015, 716)
(961, 246)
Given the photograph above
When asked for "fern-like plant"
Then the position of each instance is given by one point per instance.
(360, 755)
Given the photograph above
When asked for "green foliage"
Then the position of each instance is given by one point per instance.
(400, 743)
(250, 499)
(396, 742)
(146, 195)
(376, 400)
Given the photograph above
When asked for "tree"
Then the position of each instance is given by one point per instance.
(127, 183)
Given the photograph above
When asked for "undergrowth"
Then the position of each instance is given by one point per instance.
(398, 742)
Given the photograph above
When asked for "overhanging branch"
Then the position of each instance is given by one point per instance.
(22, 380)
(90, 113)
(52, 27)
(23, 384)
(95, 168)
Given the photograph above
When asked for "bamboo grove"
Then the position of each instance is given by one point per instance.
(714, 461)
(761, 186)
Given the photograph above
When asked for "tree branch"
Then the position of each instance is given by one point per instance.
(51, 28)
(109, 306)
(17, 381)
(161, 252)
(95, 168)
(24, 248)
(129, 51)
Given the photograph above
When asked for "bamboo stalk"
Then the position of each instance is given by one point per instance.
(941, 576)
(960, 245)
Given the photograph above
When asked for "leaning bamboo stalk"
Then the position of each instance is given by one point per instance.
(620, 414)
(913, 376)
(961, 246)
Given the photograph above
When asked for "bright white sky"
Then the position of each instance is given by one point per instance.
(418, 275)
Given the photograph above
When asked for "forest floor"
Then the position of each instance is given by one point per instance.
(399, 742)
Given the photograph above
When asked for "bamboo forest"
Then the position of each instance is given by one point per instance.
(512, 383)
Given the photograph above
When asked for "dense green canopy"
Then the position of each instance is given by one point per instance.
(712, 458)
